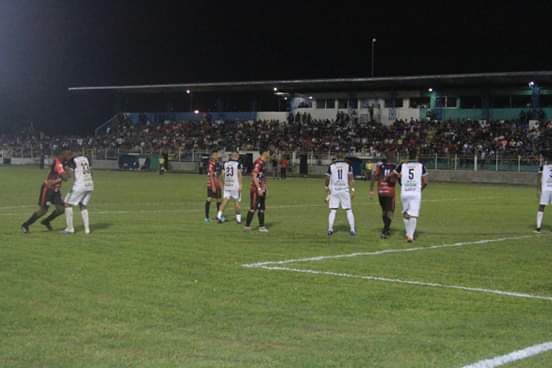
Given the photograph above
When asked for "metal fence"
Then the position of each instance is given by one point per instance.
(496, 162)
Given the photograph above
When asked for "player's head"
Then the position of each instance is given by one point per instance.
(412, 155)
(265, 154)
(215, 154)
(388, 156)
(339, 155)
(63, 154)
(235, 156)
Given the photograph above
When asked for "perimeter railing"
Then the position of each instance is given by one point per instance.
(500, 161)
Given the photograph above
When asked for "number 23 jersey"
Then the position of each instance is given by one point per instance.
(232, 169)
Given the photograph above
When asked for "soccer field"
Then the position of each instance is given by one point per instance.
(153, 286)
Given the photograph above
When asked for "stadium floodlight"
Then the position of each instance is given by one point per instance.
(188, 91)
(275, 89)
(285, 98)
(430, 89)
(531, 84)
(310, 97)
(196, 112)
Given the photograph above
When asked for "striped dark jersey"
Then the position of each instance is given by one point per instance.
(258, 172)
(213, 174)
(53, 180)
(386, 188)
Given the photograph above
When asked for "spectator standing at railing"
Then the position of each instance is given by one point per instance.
(284, 164)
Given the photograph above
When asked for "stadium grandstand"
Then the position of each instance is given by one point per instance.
(462, 121)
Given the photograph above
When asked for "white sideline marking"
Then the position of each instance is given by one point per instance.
(410, 282)
(512, 357)
(386, 251)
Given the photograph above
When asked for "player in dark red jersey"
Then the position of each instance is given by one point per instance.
(214, 187)
(50, 193)
(258, 191)
(386, 192)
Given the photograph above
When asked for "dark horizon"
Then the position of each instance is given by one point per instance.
(48, 46)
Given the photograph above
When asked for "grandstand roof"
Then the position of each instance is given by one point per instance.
(340, 84)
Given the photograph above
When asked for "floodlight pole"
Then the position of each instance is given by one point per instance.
(373, 55)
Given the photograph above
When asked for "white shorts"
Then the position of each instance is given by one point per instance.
(340, 199)
(411, 204)
(75, 198)
(546, 198)
(232, 194)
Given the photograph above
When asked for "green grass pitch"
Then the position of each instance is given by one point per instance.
(153, 286)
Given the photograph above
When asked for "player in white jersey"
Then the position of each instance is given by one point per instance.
(544, 189)
(339, 184)
(80, 194)
(233, 182)
(413, 179)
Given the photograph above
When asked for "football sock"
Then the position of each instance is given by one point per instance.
(85, 220)
(238, 218)
(207, 206)
(411, 227)
(69, 218)
(540, 217)
(219, 214)
(218, 205)
(249, 218)
(261, 218)
(35, 216)
(351, 219)
(331, 220)
(386, 223)
(406, 225)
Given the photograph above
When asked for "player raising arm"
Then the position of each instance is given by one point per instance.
(544, 189)
(50, 193)
(214, 189)
(233, 182)
(339, 184)
(80, 194)
(413, 179)
(258, 191)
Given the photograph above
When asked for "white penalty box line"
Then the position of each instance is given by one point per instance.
(512, 357)
(283, 266)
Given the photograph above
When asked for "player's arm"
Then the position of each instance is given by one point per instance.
(539, 180)
(212, 175)
(351, 183)
(255, 177)
(425, 178)
(327, 180)
(63, 174)
(240, 178)
(397, 173)
(373, 181)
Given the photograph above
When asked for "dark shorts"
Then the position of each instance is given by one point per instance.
(212, 194)
(258, 202)
(387, 203)
(49, 197)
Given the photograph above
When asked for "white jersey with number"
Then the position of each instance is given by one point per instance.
(546, 181)
(232, 169)
(411, 177)
(83, 175)
(339, 176)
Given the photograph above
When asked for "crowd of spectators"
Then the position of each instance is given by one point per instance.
(301, 133)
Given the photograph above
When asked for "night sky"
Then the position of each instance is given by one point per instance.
(47, 46)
